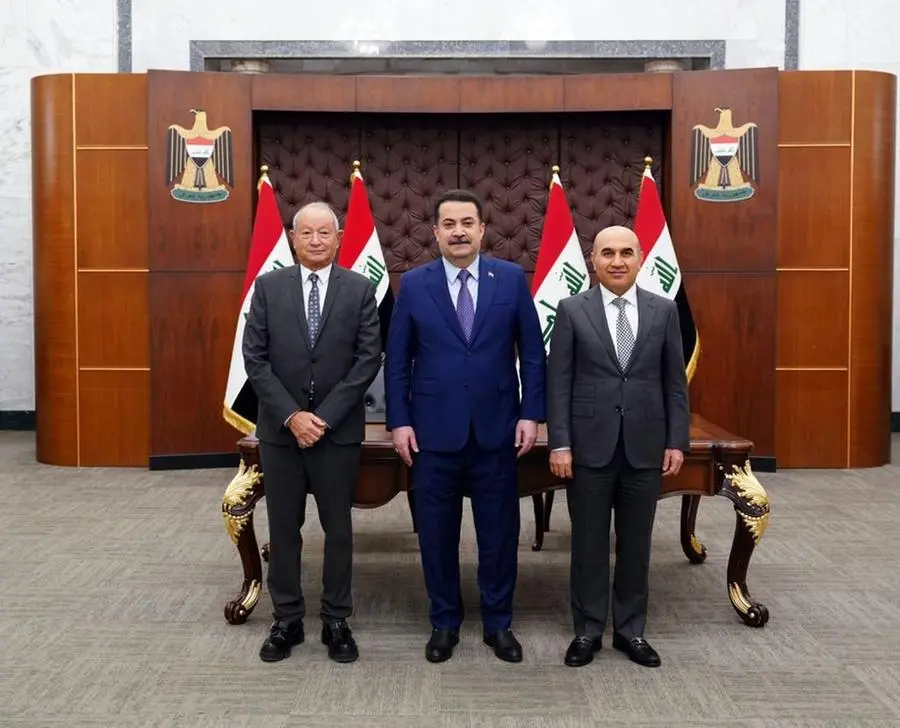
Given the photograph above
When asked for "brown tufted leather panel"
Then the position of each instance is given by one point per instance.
(408, 159)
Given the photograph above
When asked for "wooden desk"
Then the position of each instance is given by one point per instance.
(718, 464)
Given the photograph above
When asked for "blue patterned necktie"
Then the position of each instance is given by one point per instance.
(465, 307)
(624, 334)
(314, 310)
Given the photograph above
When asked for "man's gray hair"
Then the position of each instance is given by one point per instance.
(313, 206)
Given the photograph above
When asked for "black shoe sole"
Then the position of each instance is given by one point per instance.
(282, 656)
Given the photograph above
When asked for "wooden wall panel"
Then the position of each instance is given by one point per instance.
(618, 92)
(55, 325)
(814, 107)
(814, 219)
(874, 154)
(812, 419)
(725, 236)
(113, 320)
(813, 319)
(111, 110)
(192, 330)
(434, 94)
(112, 209)
(188, 236)
(735, 385)
(727, 252)
(303, 93)
(116, 406)
(492, 94)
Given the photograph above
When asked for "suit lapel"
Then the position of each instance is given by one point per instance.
(297, 294)
(646, 314)
(440, 292)
(596, 313)
(487, 286)
(331, 293)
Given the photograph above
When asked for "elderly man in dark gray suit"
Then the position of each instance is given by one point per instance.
(312, 347)
(618, 420)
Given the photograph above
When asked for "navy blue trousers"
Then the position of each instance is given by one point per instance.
(489, 478)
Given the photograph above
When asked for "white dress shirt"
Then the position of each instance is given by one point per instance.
(612, 311)
(453, 282)
(324, 274)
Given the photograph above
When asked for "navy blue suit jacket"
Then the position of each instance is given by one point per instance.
(444, 387)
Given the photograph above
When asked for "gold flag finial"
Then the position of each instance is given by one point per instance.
(648, 161)
(555, 169)
(263, 175)
(356, 171)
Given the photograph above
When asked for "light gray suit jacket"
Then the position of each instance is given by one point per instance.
(281, 361)
(589, 396)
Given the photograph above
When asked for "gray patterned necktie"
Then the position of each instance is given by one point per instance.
(624, 334)
(465, 306)
(314, 310)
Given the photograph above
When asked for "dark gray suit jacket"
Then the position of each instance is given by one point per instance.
(589, 396)
(281, 361)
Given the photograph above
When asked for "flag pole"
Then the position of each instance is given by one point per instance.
(554, 172)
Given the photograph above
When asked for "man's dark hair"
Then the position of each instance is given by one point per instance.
(458, 196)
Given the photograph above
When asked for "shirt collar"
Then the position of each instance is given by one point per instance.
(608, 296)
(323, 273)
(452, 271)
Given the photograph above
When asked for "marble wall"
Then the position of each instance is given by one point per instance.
(47, 36)
(36, 37)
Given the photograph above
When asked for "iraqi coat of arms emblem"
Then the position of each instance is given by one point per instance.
(725, 160)
(199, 161)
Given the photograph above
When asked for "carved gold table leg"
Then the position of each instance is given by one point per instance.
(693, 549)
(238, 503)
(751, 504)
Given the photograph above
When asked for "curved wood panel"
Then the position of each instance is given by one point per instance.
(871, 267)
(55, 316)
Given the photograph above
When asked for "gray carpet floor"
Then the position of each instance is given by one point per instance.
(112, 586)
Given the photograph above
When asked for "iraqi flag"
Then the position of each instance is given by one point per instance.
(660, 272)
(269, 249)
(361, 249)
(560, 270)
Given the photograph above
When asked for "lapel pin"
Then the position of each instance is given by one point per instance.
(490, 274)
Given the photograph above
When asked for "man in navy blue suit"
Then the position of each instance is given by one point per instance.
(455, 415)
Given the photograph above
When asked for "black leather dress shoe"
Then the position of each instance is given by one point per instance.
(638, 650)
(505, 645)
(282, 636)
(581, 651)
(339, 640)
(440, 645)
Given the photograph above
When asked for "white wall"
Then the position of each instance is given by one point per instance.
(48, 36)
(36, 37)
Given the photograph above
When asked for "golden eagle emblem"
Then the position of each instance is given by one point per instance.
(199, 161)
(722, 157)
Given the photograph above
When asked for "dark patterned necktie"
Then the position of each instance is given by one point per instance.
(624, 334)
(465, 307)
(313, 311)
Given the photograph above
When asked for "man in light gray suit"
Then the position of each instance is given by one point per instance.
(618, 420)
(312, 347)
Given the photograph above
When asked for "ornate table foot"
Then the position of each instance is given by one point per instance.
(693, 549)
(548, 508)
(538, 500)
(751, 504)
(238, 503)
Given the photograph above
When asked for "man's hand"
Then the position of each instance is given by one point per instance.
(405, 443)
(561, 464)
(672, 460)
(306, 428)
(526, 435)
